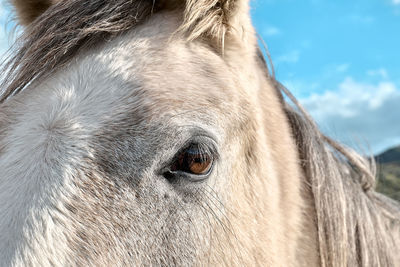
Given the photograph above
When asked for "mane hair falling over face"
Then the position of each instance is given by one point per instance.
(150, 132)
(356, 225)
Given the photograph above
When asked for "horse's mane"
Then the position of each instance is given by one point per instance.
(356, 225)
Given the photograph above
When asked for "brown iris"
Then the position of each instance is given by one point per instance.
(193, 160)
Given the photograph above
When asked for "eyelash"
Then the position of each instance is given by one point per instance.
(182, 172)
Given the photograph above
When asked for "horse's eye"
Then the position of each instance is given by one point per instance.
(193, 160)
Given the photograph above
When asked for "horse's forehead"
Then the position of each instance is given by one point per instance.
(165, 64)
(154, 72)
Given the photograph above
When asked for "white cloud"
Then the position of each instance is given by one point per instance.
(291, 57)
(301, 88)
(2, 11)
(342, 68)
(380, 73)
(359, 111)
(271, 31)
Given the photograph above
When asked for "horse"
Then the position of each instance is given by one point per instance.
(154, 133)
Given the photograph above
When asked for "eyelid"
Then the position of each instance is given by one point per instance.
(204, 140)
(192, 177)
(209, 147)
(202, 133)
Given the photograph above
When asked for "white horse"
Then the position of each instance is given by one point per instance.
(141, 132)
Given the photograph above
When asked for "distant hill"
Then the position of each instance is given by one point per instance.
(389, 156)
(388, 164)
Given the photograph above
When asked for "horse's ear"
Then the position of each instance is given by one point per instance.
(29, 10)
(221, 20)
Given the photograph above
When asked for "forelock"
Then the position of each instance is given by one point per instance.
(63, 31)
(68, 27)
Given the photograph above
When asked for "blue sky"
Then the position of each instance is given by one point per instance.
(340, 58)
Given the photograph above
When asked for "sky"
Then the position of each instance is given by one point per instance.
(340, 58)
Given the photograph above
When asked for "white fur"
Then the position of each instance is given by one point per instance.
(52, 117)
